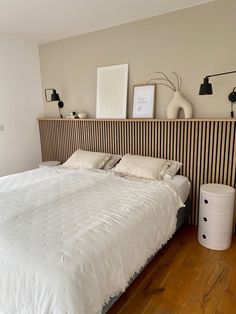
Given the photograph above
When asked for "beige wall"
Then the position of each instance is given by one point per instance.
(194, 42)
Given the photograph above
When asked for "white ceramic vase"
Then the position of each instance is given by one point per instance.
(179, 102)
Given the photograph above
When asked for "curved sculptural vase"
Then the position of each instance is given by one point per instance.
(179, 102)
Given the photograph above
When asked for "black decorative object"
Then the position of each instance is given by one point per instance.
(54, 97)
(206, 89)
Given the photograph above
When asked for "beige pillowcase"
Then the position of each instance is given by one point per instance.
(172, 169)
(87, 159)
(112, 162)
(141, 167)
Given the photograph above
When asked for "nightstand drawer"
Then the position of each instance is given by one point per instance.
(217, 205)
(213, 240)
(215, 222)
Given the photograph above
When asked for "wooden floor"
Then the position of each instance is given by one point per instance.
(185, 278)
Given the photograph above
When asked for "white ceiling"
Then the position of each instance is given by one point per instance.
(49, 20)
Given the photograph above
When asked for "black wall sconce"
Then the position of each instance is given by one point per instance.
(54, 97)
(206, 89)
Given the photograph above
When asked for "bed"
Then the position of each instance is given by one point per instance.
(71, 240)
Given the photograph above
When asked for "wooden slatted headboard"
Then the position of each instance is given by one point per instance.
(207, 148)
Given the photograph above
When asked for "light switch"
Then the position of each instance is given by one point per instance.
(1, 127)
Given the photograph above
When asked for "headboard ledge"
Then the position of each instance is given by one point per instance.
(144, 120)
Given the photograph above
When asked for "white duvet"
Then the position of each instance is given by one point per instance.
(69, 240)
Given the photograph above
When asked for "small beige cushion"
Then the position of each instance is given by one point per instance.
(87, 159)
(112, 162)
(141, 167)
(173, 167)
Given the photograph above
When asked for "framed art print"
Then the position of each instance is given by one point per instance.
(112, 89)
(144, 101)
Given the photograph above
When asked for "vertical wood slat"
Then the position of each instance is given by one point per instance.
(207, 149)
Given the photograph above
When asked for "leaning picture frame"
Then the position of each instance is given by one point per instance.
(144, 97)
(112, 91)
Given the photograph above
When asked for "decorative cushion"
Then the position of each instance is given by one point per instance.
(173, 168)
(112, 162)
(87, 159)
(142, 167)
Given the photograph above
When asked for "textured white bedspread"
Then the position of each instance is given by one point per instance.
(69, 240)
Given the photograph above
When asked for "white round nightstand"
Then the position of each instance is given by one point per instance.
(216, 216)
(52, 163)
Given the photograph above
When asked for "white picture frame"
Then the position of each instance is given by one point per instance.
(112, 90)
(144, 101)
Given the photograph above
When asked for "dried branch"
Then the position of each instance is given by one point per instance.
(157, 79)
(177, 78)
(157, 83)
(180, 82)
(173, 85)
(167, 86)
(167, 81)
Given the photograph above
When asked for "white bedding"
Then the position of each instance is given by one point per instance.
(182, 185)
(69, 240)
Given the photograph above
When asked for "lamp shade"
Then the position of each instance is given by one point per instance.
(206, 87)
(55, 96)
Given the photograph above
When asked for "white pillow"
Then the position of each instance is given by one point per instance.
(173, 167)
(142, 167)
(87, 159)
(112, 162)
